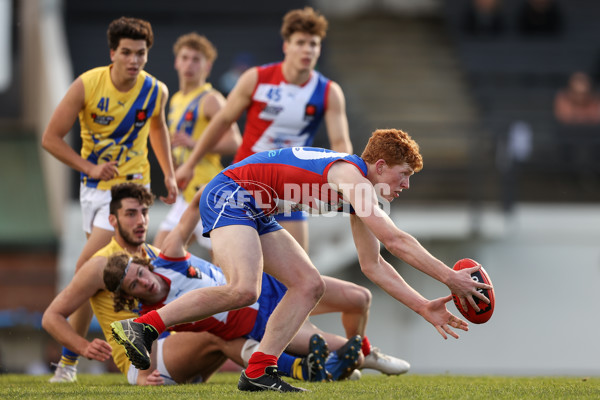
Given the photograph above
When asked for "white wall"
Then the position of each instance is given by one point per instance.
(545, 266)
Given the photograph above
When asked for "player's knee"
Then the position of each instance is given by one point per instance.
(363, 298)
(317, 287)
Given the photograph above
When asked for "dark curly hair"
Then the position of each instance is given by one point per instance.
(129, 28)
(395, 147)
(129, 190)
(113, 277)
(304, 20)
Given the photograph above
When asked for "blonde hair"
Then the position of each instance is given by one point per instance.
(196, 42)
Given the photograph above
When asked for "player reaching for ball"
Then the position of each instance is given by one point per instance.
(176, 272)
(236, 210)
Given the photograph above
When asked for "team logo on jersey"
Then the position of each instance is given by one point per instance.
(193, 272)
(310, 111)
(140, 118)
(189, 115)
(102, 119)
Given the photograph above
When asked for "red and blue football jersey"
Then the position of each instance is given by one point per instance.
(283, 114)
(292, 179)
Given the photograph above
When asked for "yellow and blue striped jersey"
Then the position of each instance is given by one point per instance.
(186, 115)
(114, 125)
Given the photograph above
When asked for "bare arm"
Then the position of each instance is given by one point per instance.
(336, 120)
(61, 122)
(360, 193)
(239, 99)
(231, 138)
(161, 144)
(85, 284)
(378, 270)
(174, 244)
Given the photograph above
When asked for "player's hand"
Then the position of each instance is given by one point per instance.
(463, 286)
(98, 350)
(182, 139)
(184, 175)
(155, 379)
(105, 171)
(171, 186)
(436, 313)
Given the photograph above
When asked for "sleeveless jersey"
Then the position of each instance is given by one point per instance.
(186, 115)
(293, 179)
(282, 114)
(189, 273)
(114, 125)
(103, 306)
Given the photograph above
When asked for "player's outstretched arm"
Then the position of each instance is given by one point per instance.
(436, 313)
(385, 276)
(86, 282)
(360, 193)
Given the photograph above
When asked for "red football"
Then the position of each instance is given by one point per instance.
(486, 310)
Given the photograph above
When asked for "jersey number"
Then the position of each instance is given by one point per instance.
(274, 94)
(103, 104)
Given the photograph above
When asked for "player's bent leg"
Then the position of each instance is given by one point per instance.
(196, 356)
(241, 264)
(384, 363)
(304, 288)
(352, 300)
(299, 230)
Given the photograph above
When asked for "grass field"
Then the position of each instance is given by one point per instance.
(223, 386)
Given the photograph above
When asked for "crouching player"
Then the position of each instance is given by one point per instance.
(176, 272)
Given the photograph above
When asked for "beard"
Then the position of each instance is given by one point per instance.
(128, 237)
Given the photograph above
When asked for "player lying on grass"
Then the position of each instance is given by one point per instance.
(191, 357)
(176, 272)
(236, 210)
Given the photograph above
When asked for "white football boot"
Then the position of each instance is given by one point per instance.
(385, 364)
(64, 373)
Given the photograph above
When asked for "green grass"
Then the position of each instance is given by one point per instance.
(223, 386)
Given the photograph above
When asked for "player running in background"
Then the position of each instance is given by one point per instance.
(190, 110)
(176, 272)
(190, 357)
(236, 210)
(119, 106)
(285, 103)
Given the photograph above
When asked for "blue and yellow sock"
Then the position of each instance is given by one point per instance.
(68, 357)
(290, 366)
